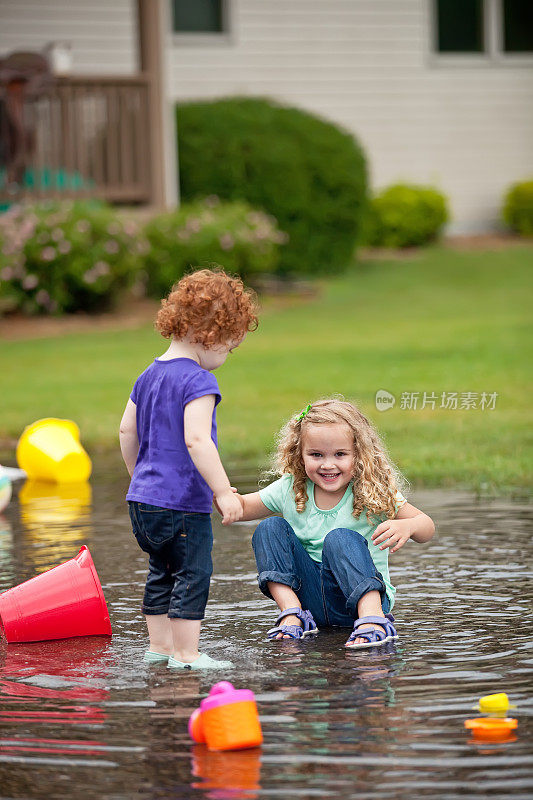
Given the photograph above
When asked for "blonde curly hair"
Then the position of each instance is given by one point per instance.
(375, 478)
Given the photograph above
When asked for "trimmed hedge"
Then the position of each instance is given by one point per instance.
(307, 173)
(241, 238)
(64, 256)
(518, 208)
(405, 216)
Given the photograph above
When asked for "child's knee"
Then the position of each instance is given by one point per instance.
(269, 528)
(339, 539)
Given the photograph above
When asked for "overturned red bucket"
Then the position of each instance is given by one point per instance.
(65, 601)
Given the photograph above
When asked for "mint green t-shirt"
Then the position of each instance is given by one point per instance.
(313, 524)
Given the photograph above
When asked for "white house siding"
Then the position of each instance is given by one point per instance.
(102, 32)
(367, 65)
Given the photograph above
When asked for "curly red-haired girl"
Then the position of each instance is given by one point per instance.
(168, 438)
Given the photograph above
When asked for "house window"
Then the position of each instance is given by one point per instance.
(460, 26)
(198, 16)
(518, 26)
(490, 29)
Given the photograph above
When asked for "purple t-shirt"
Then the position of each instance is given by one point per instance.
(164, 473)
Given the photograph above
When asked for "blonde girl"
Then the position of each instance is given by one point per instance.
(324, 560)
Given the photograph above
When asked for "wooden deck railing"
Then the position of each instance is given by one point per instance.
(91, 138)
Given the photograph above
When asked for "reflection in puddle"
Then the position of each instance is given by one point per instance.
(55, 517)
(45, 686)
(7, 574)
(226, 775)
(86, 717)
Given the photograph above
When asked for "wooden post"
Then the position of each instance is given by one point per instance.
(152, 20)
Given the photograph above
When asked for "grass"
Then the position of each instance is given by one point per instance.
(442, 321)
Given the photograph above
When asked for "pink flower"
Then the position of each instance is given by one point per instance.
(130, 228)
(101, 268)
(48, 253)
(83, 226)
(90, 276)
(57, 234)
(42, 297)
(226, 241)
(6, 274)
(64, 247)
(193, 224)
(111, 246)
(30, 282)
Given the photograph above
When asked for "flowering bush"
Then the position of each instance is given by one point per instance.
(66, 256)
(243, 240)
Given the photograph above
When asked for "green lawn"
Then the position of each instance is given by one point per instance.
(442, 321)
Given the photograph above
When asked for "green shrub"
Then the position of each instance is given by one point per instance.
(241, 238)
(307, 173)
(66, 256)
(518, 208)
(405, 216)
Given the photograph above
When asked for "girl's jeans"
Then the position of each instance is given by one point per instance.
(179, 545)
(330, 589)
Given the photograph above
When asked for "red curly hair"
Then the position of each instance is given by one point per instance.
(210, 306)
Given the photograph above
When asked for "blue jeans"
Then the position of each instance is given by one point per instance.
(179, 545)
(330, 589)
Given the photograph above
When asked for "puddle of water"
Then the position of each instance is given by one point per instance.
(85, 717)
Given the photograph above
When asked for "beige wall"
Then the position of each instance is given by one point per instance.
(102, 32)
(366, 64)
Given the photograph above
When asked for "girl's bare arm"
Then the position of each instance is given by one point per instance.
(129, 443)
(409, 523)
(253, 507)
(197, 421)
(422, 527)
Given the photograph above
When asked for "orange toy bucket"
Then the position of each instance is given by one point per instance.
(227, 719)
(491, 729)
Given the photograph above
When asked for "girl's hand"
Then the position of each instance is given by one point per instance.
(393, 533)
(229, 505)
(233, 489)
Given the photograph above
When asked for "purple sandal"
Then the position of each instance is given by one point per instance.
(307, 627)
(374, 638)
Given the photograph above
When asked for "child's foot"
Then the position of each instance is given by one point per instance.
(359, 639)
(372, 631)
(291, 619)
(153, 657)
(202, 662)
(293, 623)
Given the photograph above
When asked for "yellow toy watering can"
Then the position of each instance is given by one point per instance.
(50, 450)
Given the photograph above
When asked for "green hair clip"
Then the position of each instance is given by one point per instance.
(304, 413)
